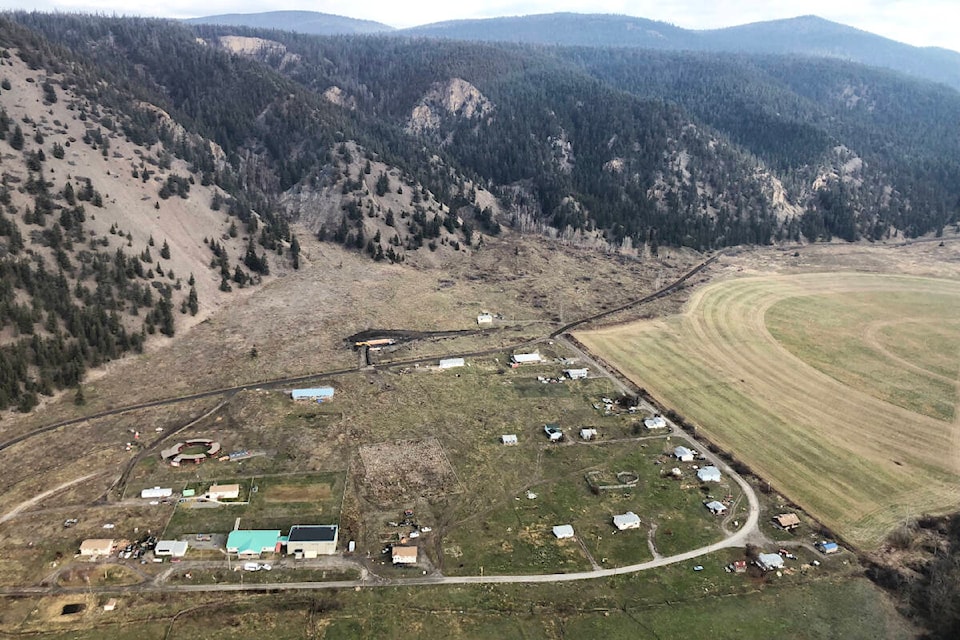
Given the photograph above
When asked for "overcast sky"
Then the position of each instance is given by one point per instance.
(917, 22)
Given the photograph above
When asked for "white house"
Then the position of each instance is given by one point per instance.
(656, 422)
(683, 454)
(525, 358)
(95, 547)
(769, 561)
(576, 374)
(452, 363)
(708, 474)
(156, 492)
(174, 548)
(716, 508)
(404, 555)
(484, 318)
(509, 438)
(223, 492)
(588, 434)
(628, 520)
(563, 531)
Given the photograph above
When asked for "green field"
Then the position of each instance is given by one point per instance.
(838, 388)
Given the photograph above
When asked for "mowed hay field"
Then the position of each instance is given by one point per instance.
(839, 388)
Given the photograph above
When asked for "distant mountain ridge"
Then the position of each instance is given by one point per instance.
(309, 22)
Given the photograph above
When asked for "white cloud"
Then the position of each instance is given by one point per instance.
(918, 22)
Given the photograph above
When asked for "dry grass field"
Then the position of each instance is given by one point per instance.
(840, 388)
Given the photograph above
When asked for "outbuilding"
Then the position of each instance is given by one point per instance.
(588, 434)
(404, 555)
(563, 531)
(656, 422)
(484, 318)
(156, 492)
(708, 474)
(173, 548)
(576, 374)
(628, 520)
(553, 432)
(508, 438)
(452, 363)
(827, 547)
(770, 561)
(250, 543)
(312, 540)
(716, 508)
(320, 394)
(683, 454)
(787, 521)
(96, 547)
(525, 358)
(110, 605)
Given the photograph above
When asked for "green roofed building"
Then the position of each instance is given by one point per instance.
(249, 543)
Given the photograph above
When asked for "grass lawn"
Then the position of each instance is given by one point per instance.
(832, 419)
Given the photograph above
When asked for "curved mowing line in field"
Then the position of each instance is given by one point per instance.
(858, 463)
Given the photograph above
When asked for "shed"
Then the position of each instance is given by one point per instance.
(95, 547)
(110, 605)
(628, 520)
(828, 547)
(156, 492)
(588, 434)
(525, 358)
(223, 492)
(708, 474)
(576, 374)
(317, 393)
(252, 542)
(716, 508)
(404, 555)
(452, 363)
(508, 439)
(563, 531)
(553, 432)
(656, 422)
(312, 540)
(175, 548)
(484, 318)
(189, 493)
(683, 454)
(770, 561)
(787, 521)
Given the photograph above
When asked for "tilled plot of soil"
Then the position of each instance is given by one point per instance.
(393, 471)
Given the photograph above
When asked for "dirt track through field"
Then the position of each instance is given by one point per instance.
(858, 463)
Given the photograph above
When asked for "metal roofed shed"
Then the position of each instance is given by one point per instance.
(156, 492)
(174, 548)
(553, 432)
(563, 531)
(656, 422)
(253, 542)
(320, 394)
(708, 474)
(525, 358)
(588, 434)
(312, 540)
(452, 363)
(628, 520)
(683, 454)
(716, 508)
(484, 318)
(770, 561)
(508, 438)
(827, 547)
(576, 374)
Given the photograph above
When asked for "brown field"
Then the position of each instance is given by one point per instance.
(407, 469)
(781, 371)
(295, 493)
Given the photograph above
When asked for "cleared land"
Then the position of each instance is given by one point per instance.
(805, 378)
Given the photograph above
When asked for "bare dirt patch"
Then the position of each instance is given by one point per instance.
(393, 471)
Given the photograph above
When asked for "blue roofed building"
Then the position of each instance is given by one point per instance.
(320, 394)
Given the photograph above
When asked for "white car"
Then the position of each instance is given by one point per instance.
(251, 566)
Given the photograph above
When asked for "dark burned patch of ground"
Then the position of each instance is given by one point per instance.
(403, 335)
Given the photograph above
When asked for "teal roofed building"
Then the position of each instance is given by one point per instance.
(253, 542)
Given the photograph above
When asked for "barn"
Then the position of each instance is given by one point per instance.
(312, 540)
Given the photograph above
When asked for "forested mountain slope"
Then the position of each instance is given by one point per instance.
(311, 22)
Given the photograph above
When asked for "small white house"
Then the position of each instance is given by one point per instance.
(563, 531)
(628, 520)
(683, 454)
(525, 358)
(509, 438)
(404, 555)
(452, 363)
(588, 434)
(484, 318)
(576, 374)
(156, 492)
(770, 561)
(656, 422)
(708, 474)
(716, 508)
(174, 548)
